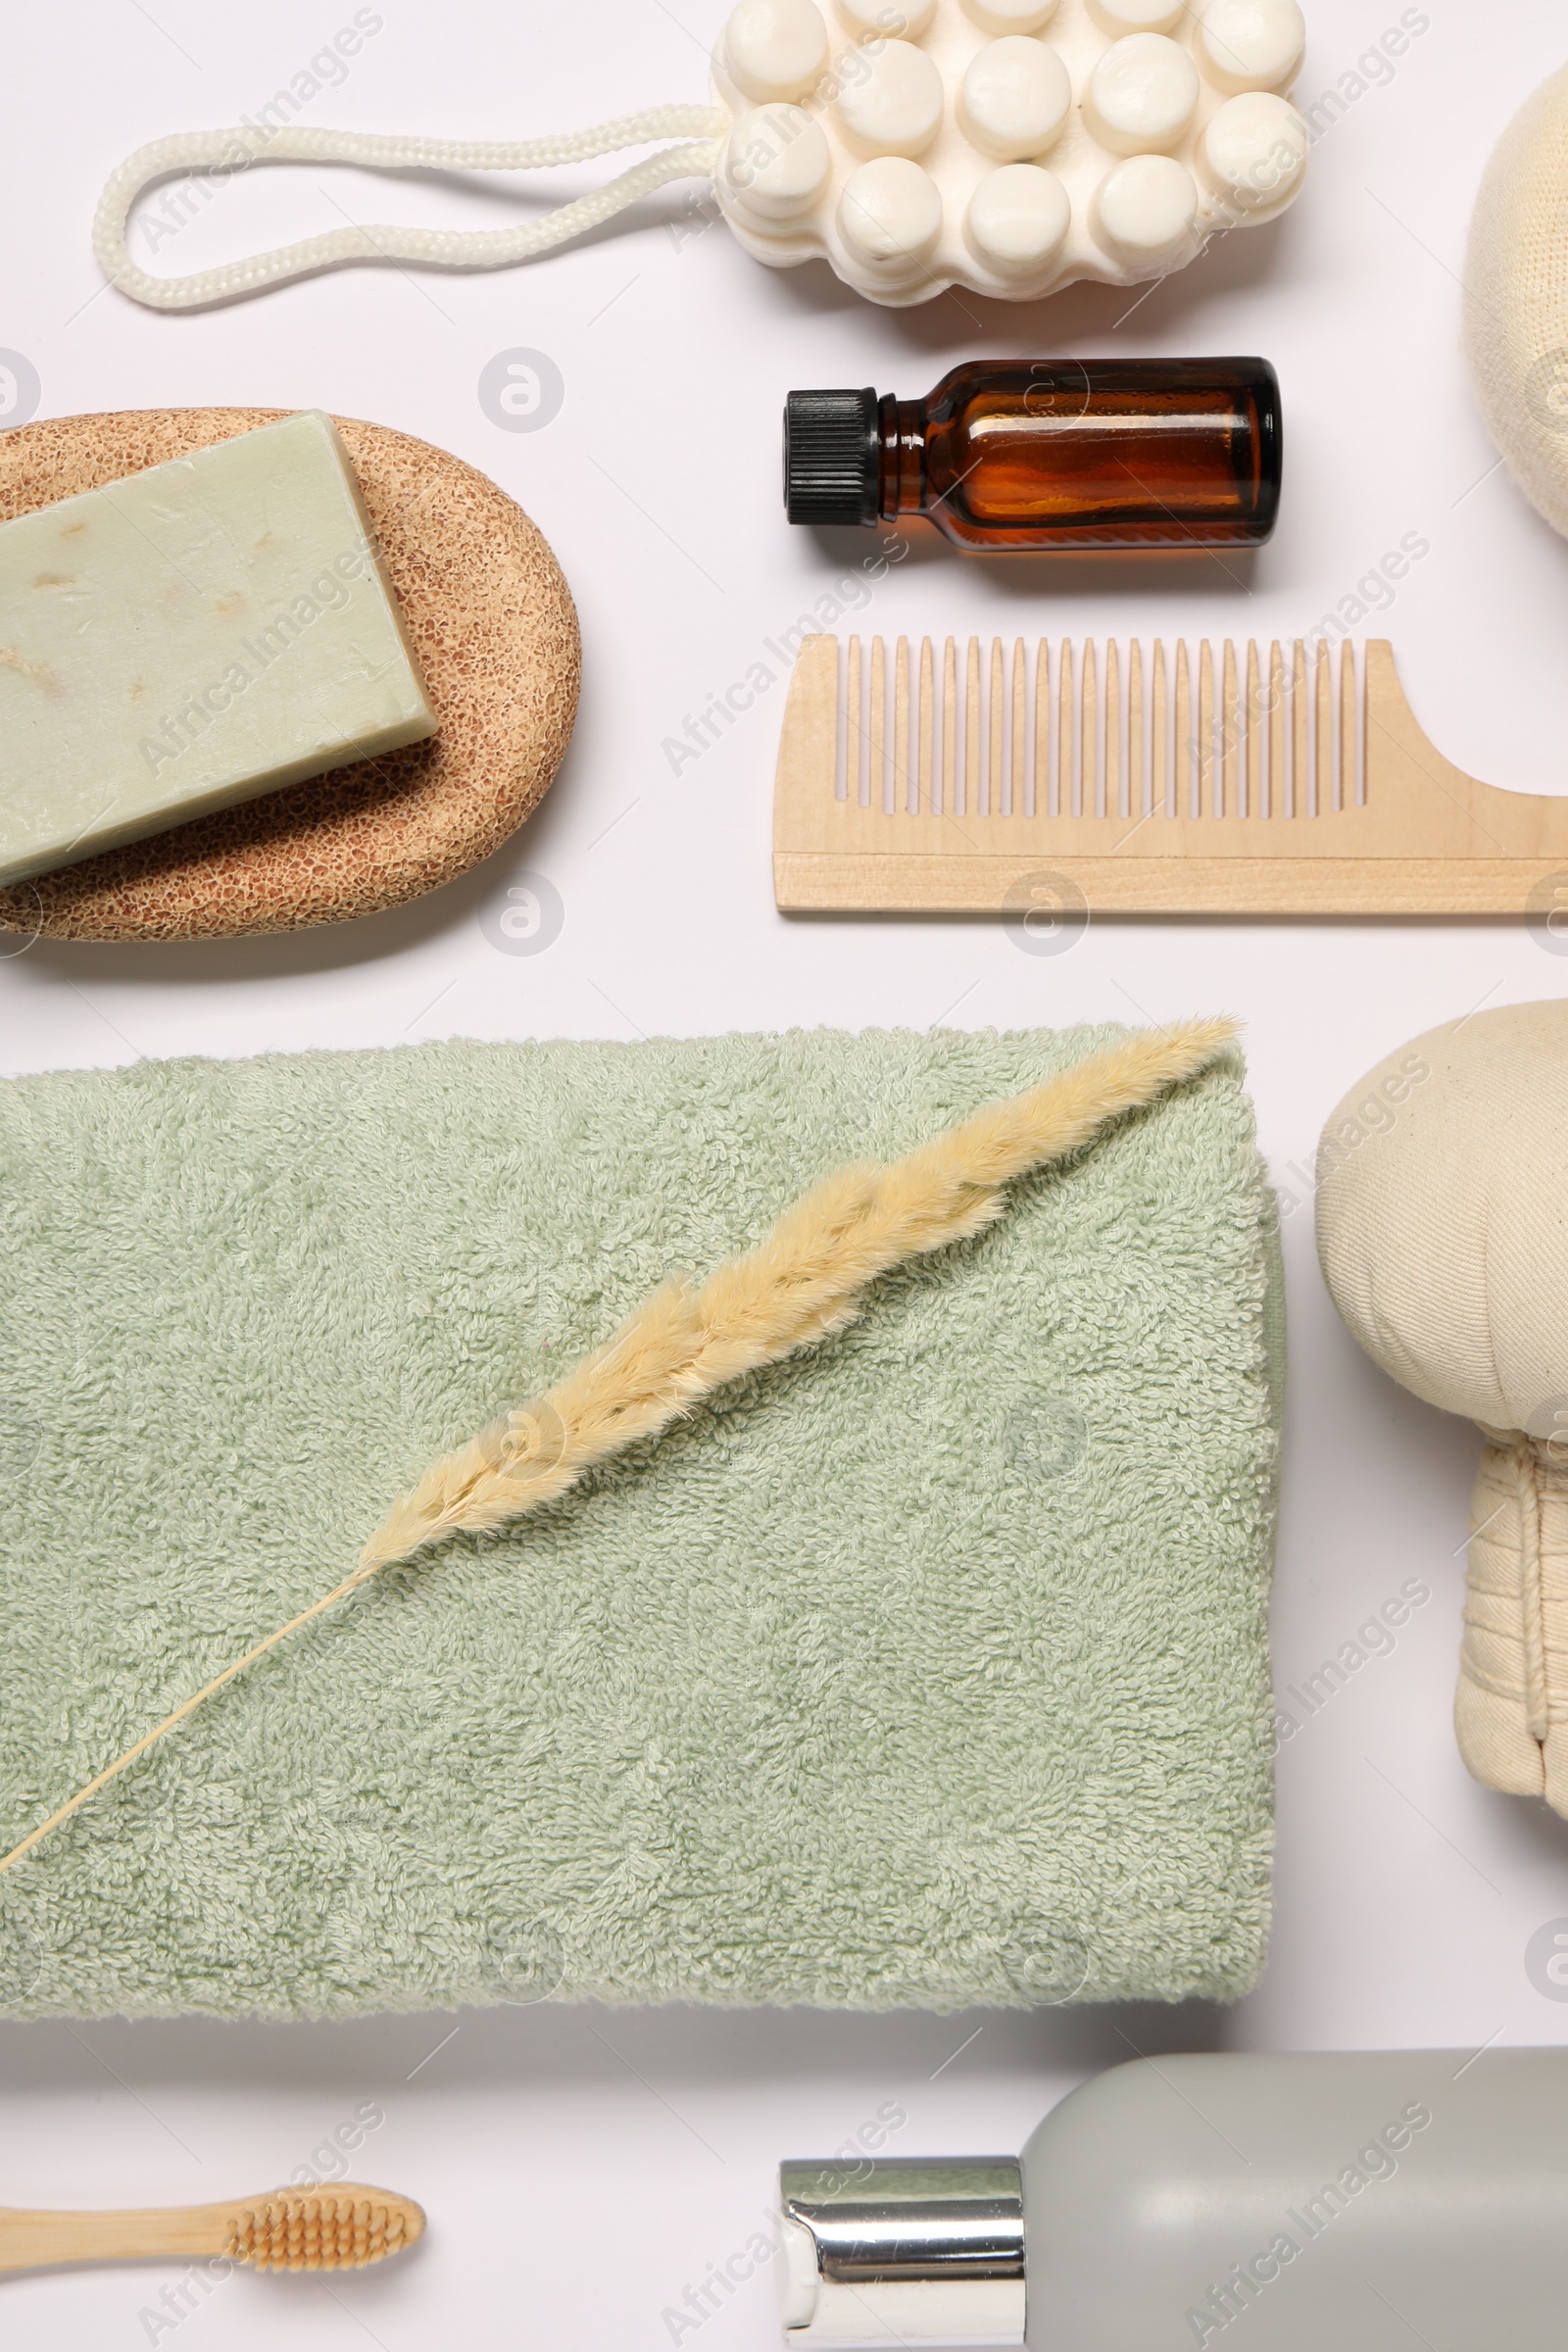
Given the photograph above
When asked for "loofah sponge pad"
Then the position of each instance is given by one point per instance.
(1516, 298)
(493, 622)
(1443, 1231)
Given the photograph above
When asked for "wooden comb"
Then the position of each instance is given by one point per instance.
(1235, 784)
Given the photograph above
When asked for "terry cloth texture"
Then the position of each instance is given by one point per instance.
(926, 1668)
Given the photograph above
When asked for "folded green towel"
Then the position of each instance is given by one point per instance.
(926, 1668)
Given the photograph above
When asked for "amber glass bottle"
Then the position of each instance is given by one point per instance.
(1050, 454)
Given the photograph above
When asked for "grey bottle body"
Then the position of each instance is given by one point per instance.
(1312, 2203)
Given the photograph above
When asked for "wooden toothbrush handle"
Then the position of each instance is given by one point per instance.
(30, 2241)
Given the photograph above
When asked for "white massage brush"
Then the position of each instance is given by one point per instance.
(1010, 146)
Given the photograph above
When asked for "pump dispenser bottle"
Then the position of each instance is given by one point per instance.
(1315, 2203)
(1029, 456)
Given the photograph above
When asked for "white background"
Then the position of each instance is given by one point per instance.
(582, 2168)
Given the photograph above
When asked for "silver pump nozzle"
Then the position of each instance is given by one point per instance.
(901, 2251)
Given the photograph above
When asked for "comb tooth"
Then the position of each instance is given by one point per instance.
(1020, 729)
(1114, 807)
(1205, 728)
(1254, 732)
(1088, 729)
(876, 763)
(1157, 747)
(1066, 802)
(971, 731)
(994, 709)
(853, 732)
(950, 726)
(1347, 726)
(901, 726)
(1183, 732)
(854, 719)
(923, 782)
(1323, 724)
(1135, 729)
(1230, 799)
(1276, 731)
(1042, 774)
(1300, 793)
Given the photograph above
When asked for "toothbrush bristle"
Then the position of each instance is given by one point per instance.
(317, 2231)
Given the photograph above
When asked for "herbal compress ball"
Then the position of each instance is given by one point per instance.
(1443, 1231)
(1516, 298)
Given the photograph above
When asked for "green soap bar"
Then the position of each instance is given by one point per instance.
(189, 637)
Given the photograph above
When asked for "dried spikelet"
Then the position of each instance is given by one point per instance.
(809, 1277)
(804, 1280)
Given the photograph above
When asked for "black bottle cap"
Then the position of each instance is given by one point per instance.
(832, 457)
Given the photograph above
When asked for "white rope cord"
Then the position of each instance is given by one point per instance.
(231, 151)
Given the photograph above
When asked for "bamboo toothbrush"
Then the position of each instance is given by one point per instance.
(340, 2229)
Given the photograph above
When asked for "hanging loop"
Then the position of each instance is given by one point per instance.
(224, 152)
